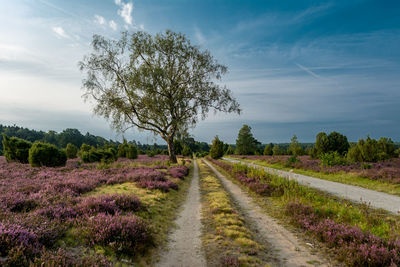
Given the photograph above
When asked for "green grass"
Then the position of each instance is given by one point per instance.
(340, 177)
(225, 233)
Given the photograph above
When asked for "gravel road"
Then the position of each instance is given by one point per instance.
(289, 250)
(184, 247)
(354, 193)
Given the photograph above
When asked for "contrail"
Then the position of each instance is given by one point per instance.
(308, 70)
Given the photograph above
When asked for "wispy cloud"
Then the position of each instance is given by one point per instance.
(60, 33)
(308, 70)
(125, 11)
(113, 25)
(99, 19)
(201, 39)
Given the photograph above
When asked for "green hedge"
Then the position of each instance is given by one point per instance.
(16, 149)
(45, 154)
(97, 155)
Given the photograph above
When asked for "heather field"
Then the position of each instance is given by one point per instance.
(354, 234)
(88, 214)
(381, 176)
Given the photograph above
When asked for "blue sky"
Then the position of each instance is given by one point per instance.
(296, 67)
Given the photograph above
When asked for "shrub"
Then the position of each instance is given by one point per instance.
(110, 204)
(354, 154)
(268, 150)
(128, 235)
(71, 150)
(276, 150)
(97, 155)
(131, 151)
(217, 148)
(44, 154)
(186, 151)
(16, 149)
(332, 159)
(178, 172)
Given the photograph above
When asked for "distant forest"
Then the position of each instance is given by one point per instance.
(73, 136)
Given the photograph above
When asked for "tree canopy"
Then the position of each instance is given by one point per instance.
(246, 144)
(159, 83)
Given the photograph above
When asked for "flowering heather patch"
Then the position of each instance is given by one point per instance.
(355, 247)
(124, 234)
(178, 171)
(110, 204)
(61, 257)
(153, 179)
(387, 171)
(59, 211)
(157, 160)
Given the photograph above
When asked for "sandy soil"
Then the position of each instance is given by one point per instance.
(354, 193)
(184, 246)
(289, 250)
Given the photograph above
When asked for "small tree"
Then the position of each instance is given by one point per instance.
(131, 151)
(44, 154)
(160, 83)
(295, 148)
(229, 151)
(322, 143)
(71, 150)
(338, 142)
(276, 150)
(217, 148)
(268, 150)
(246, 144)
(186, 151)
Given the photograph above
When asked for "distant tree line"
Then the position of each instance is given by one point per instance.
(331, 149)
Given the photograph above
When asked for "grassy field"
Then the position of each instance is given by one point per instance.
(340, 177)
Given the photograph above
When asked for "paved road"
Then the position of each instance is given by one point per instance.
(288, 248)
(184, 248)
(354, 193)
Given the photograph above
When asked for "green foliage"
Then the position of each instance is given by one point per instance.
(131, 152)
(152, 93)
(229, 151)
(371, 150)
(354, 154)
(329, 143)
(16, 149)
(90, 154)
(295, 147)
(268, 150)
(217, 148)
(246, 144)
(178, 147)
(186, 151)
(45, 154)
(397, 152)
(291, 160)
(276, 150)
(71, 150)
(332, 159)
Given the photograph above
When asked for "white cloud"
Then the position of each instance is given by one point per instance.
(126, 11)
(59, 31)
(99, 19)
(141, 26)
(113, 25)
(199, 36)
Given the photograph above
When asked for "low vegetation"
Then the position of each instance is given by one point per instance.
(87, 214)
(357, 234)
(226, 237)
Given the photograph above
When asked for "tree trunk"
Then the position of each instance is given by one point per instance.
(171, 150)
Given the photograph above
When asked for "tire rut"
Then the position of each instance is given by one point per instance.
(184, 246)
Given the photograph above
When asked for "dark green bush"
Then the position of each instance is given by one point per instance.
(44, 154)
(99, 155)
(268, 150)
(16, 149)
(332, 159)
(186, 151)
(71, 151)
(217, 148)
(131, 152)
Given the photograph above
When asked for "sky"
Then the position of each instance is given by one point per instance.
(295, 67)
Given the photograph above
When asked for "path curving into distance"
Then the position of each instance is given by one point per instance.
(184, 246)
(377, 199)
(289, 249)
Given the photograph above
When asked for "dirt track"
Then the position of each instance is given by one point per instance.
(289, 250)
(184, 247)
(354, 193)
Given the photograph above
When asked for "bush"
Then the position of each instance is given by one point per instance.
(354, 154)
(98, 155)
(71, 151)
(217, 148)
(186, 151)
(332, 159)
(44, 154)
(268, 150)
(131, 152)
(129, 235)
(16, 149)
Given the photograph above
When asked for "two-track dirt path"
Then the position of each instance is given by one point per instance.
(184, 247)
(288, 247)
(377, 199)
